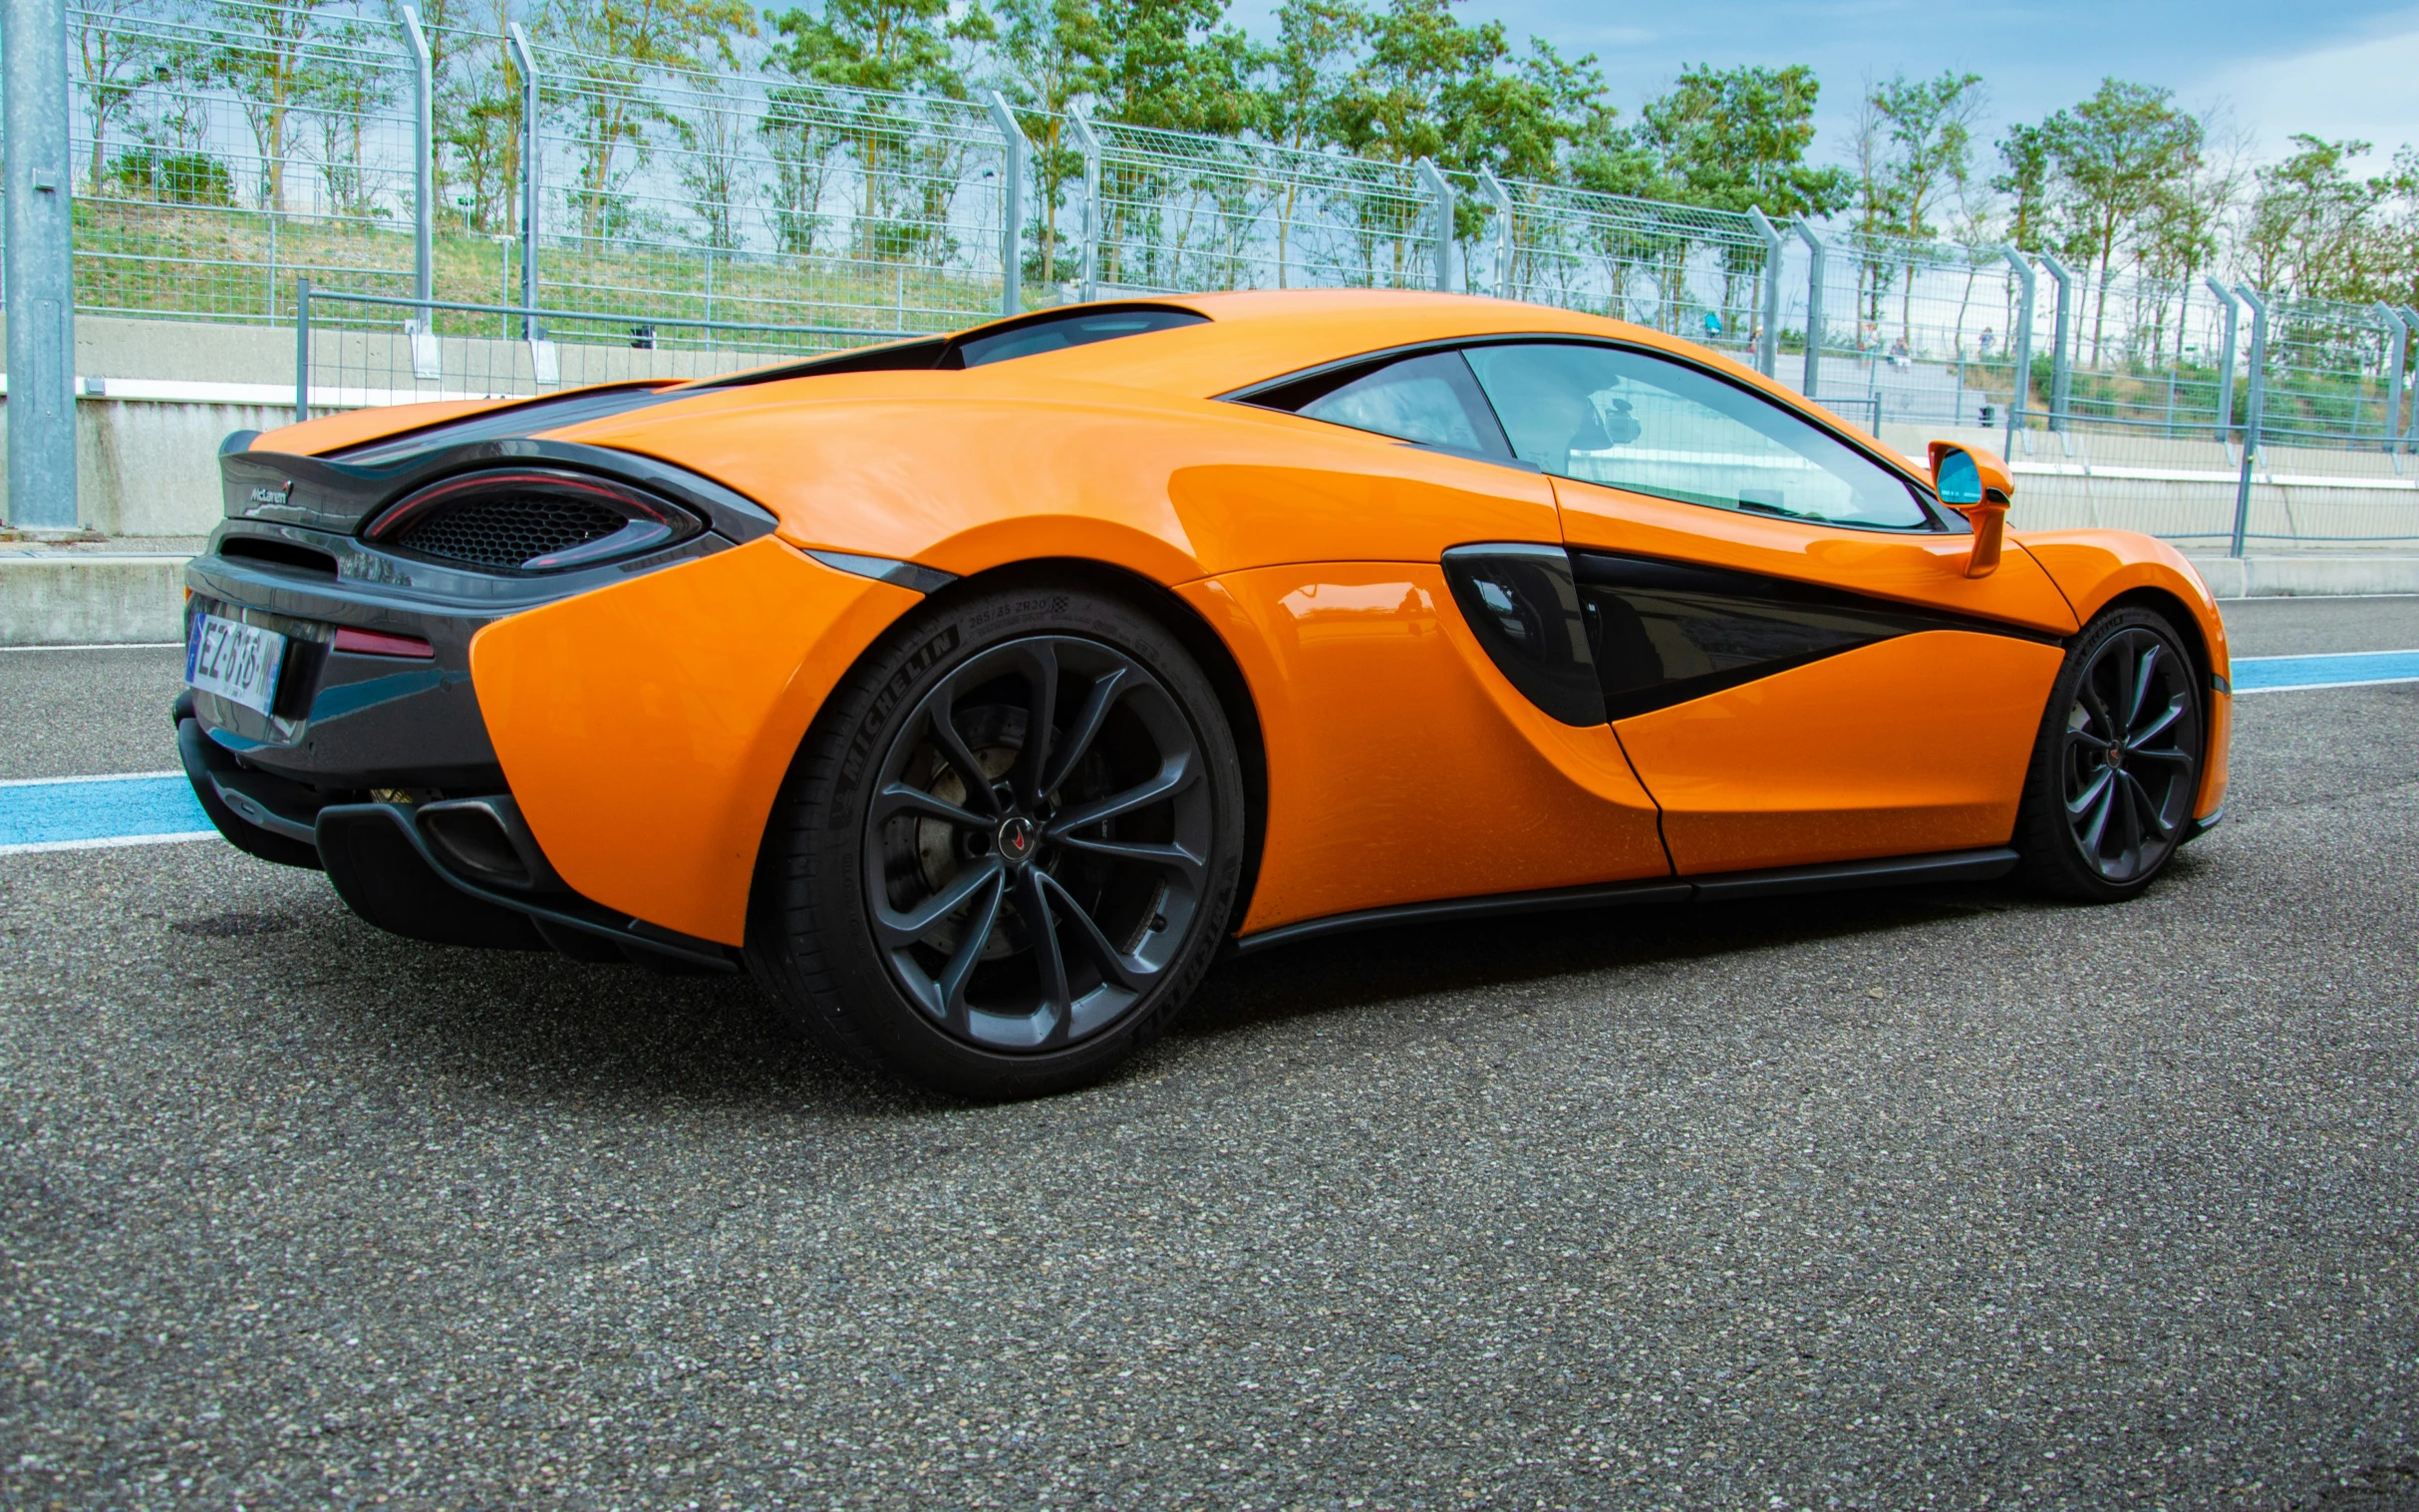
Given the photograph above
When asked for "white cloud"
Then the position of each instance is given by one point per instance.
(2358, 89)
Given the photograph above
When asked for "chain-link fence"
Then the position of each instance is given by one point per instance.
(684, 213)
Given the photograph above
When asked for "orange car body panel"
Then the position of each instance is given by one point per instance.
(1401, 765)
(2096, 567)
(644, 727)
(1913, 745)
(1172, 488)
(346, 428)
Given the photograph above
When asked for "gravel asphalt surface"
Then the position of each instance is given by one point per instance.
(1908, 1199)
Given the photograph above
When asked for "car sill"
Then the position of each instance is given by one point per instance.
(1889, 871)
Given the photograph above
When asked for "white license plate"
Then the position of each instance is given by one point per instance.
(236, 660)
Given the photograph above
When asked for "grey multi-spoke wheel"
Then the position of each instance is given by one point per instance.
(1008, 847)
(2118, 763)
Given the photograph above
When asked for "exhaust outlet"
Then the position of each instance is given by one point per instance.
(488, 840)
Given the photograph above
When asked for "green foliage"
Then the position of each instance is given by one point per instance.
(173, 177)
(1726, 139)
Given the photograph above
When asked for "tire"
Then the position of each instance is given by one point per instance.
(2101, 817)
(921, 831)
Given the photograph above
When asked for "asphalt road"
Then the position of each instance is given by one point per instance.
(1897, 1200)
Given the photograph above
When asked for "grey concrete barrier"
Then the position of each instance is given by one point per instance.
(91, 600)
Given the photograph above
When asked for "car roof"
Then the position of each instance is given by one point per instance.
(1252, 335)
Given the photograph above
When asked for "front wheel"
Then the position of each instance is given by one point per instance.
(2116, 768)
(1009, 848)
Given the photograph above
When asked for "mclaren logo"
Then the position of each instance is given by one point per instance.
(272, 496)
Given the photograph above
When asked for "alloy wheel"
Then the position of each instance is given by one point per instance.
(1037, 841)
(2130, 755)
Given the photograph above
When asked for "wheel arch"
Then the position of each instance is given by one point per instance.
(1171, 613)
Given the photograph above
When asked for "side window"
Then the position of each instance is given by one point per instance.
(1630, 421)
(1431, 399)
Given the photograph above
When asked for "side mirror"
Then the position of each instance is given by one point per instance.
(1976, 486)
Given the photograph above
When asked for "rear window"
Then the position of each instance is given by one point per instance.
(1056, 332)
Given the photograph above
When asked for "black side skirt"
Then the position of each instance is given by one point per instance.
(1889, 871)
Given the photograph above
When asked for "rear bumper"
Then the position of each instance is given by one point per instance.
(402, 866)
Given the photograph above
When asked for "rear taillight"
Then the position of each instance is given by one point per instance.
(379, 643)
(530, 519)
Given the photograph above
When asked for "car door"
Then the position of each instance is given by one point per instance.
(1792, 654)
(1402, 767)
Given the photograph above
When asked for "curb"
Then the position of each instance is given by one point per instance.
(91, 600)
(2312, 575)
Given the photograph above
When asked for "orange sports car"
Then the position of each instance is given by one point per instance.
(975, 692)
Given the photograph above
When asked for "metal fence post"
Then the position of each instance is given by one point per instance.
(1817, 256)
(530, 166)
(2020, 346)
(1768, 342)
(1440, 195)
(1090, 142)
(2410, 432)
(2252, 410)
(2226, 358)
(41, 271)
(2062, 363)
(302, 350)
(1501, 199)
(1012, 205)
(2397, 335)
(425, 363)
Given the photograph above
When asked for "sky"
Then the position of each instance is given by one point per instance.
(2334, 68)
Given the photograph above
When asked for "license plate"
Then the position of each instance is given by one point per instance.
(236, 660)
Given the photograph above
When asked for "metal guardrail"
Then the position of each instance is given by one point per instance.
(400, 350)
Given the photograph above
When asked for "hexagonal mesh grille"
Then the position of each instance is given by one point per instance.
(507, 531)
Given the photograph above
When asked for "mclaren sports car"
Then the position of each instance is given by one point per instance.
(974, 693)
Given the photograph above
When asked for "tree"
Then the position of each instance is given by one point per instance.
(2112, 156)
(1928, 127)
(114, 62)
(1924, 133)
(2310, 222)
(1318, 44)
(898, 47)
(1055, 52)
(2025, 180)
(266, 58)
(621, 40)
(1729, 139)
(877, 51)
(1169, 64)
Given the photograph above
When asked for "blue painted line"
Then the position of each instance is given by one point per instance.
(81, 813)
(2276, 673)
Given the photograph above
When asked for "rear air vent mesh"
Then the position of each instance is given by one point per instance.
(507, 531)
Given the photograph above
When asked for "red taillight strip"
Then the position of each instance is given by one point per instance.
(379, 643)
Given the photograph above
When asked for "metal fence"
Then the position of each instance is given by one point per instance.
(224, 162)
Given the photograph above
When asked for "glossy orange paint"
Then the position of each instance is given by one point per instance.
(2097, 567)
(345, 428)
(645, 726)
(1172, 488)
(1912, 745)
(1401, 765)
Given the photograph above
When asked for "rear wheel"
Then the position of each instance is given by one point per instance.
(2118, 761)
(1008, 847)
